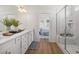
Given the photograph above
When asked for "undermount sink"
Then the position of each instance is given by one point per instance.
(12, 31)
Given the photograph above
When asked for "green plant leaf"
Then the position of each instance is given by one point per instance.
(15, 22)
(7, 22)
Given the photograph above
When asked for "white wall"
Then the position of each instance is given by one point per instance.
(7, 11)
(27, 19)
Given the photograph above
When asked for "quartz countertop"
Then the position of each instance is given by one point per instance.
(4, 39)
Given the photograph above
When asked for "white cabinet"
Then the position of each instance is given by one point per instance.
(27, 39)
(18, 44)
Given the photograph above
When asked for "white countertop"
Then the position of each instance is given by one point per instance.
(4, 39)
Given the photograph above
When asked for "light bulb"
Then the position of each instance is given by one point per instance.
(20, 10)
(24, 10)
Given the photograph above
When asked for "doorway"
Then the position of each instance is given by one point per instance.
(44, 26)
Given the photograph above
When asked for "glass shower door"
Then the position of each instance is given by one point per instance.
(69, 29)
(61, 28)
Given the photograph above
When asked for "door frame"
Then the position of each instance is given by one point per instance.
(49, 25)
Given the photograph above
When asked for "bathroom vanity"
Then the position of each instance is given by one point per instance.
(17, 43)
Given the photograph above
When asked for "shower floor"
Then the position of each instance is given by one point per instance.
(72, 49)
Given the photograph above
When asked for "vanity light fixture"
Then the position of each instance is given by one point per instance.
(21, 9)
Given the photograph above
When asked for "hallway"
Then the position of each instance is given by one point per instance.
(45, 47)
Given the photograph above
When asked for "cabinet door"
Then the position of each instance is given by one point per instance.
(18, 45)
(3, 50)
(11, 49)
(7, 48)
(24, 43)
(30, 37)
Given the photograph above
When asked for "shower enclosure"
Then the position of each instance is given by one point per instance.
(67, 29)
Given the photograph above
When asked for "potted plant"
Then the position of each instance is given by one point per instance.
(7, 22)
(15, 23)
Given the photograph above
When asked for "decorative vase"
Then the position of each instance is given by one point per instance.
(16, 28)
(13, 28)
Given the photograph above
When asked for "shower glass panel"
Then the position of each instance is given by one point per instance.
(72, 29)
(61, 28)
(68, 28)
